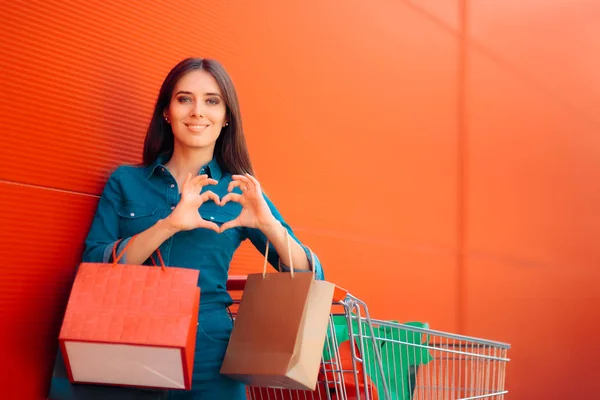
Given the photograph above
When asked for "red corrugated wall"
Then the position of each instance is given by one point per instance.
(442, 157)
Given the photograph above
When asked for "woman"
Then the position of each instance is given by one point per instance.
(195, 199)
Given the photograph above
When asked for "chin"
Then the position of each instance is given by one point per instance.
(199, 143)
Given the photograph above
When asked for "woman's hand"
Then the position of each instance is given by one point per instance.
(186, 216)
(255, 210)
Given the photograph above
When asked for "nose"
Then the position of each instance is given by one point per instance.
(196, 110)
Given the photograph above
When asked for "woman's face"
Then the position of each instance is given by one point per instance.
(197, 110)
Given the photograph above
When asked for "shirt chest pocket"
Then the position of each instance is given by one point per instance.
(135, 218)
(212, 213)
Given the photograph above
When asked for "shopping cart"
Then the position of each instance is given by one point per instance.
(365, 358)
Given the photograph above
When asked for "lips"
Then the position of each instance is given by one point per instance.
(196, 127)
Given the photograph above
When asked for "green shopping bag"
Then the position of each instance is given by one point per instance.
(339, 325)
(400, 360)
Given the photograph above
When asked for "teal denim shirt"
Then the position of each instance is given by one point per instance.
(136, 197)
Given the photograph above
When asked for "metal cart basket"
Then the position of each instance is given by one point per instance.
(366, 358)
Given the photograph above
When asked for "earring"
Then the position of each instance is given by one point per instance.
(226, 123)
(167, 119)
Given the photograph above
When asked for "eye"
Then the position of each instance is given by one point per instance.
(213, 101)
(184, 99)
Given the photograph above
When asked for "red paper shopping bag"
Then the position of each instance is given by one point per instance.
(279, 331)
(131, 325)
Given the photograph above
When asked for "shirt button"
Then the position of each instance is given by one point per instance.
(132, 214)
(162, 169)
(172, 207)
(172, 185)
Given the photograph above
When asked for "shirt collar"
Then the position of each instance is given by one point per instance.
(213, 169)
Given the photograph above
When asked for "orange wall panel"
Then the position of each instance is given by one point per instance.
(367, 125)
(534, 155)
(550, 317)
(42, 240)
(550, 45)
(533, 165)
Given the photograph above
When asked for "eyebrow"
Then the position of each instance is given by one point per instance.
(206, 94)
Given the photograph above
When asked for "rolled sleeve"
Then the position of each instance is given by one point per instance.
(107, 256)
(314, 267)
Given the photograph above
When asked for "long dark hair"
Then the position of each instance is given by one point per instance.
(231, 151)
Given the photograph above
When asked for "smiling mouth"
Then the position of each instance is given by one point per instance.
(196, 127)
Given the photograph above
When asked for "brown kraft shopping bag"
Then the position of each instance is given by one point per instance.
(280, 329)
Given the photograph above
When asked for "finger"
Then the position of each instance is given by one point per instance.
(242, 178)
(198, 178)
(201, 183)
(253, 179)
(186, 181)
(231, 197)
(239, 184)
(208, 195)
(203, 180)
(194, 182)
(209, 225)
(249, 182)
(229, 225)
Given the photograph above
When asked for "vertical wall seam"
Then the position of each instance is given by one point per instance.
(462, 160)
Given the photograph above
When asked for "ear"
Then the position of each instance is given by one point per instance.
(166, 114)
